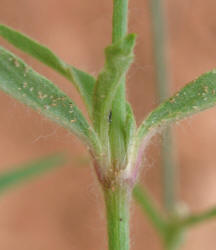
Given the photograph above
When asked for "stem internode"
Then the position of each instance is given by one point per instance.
(117, 210)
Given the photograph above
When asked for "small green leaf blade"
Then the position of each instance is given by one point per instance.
(82, 81)
(195, 219)
(196, 96)
(130, 127)
(33, 48)
(85, 85)
(25, 172)
(119, 57)
(23, 83)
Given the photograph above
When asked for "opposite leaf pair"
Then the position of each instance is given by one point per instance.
(20, 81)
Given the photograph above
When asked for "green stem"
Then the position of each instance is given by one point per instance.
(120, 27)
(117, 209)
(170, 177)
(159, 41)
(172, 246)
(117, 201)
(175, 239)
(120, 19)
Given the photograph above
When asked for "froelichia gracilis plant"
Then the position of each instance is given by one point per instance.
(115, 142)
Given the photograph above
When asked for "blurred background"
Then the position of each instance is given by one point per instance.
(63, 209)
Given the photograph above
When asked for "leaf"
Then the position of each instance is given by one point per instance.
(82, 81)
(196, 96)
(29, 170)
(150, 209)
(23, 83)
(85, 85)
(119, 56)
(195, 219)
(130, 127)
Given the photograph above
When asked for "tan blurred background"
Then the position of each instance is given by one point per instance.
(63, 210)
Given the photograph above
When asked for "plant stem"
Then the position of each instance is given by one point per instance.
(120, 27)
(168, 162)
(169, 171)
(117, 210)
(159, 43)
(117, 200)
(120, 19)
(175, 239)
(172, 246)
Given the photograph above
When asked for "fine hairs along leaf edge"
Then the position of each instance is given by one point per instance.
(83, 82)
(23, 83)
(196, 96)
(86, 84)
(119, 54)
(186, 102)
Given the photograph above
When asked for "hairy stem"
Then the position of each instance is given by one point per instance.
(120, 27)
(117, 200)
(117, 210)
(120, 19)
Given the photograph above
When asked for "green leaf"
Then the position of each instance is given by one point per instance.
(195, 219)
(82, 81)
(85, 85)
(27, 171)
(150, 209)
(196, 96)
(119, 57)
(130, 127)
(23, 83)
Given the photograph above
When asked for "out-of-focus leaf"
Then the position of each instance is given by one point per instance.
(119, 56)
(82, 81)
(196, 96)
(29, 170)
(148, 206)
(20, 81)
(195, 219)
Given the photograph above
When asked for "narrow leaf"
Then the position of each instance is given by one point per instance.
(149, 208)
(82, 81)
(20, 81)
(195, 219)
(196, 96)
(130, 127)
(27, 171)
(119, 56)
